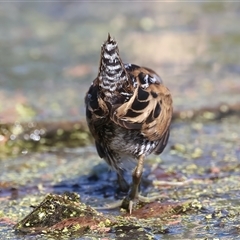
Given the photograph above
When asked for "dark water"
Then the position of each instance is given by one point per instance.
(49, 56)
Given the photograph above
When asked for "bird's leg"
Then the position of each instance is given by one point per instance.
(124, 186)
(136, 178)
(127, 202)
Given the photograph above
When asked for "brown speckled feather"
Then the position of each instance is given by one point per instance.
(129, 111)
(149, 110)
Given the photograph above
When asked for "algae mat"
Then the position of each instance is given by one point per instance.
(202, 161)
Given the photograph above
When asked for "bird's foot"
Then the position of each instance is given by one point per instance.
(168, 183)
(128, 203)
(110, 206)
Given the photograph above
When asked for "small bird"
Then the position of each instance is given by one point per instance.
(129, 112)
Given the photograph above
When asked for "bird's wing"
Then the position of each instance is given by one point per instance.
(97, 112)
(150, 107)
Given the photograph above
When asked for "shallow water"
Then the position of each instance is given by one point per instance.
(193, 153)
(50, 54)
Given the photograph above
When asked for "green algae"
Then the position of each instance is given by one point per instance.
(67, 215)
(203, 194)
(21, 138)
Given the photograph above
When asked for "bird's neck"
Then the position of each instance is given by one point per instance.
(112, 74)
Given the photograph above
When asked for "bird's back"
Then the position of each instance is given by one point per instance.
(128, 109)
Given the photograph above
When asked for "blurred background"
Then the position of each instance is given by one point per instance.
(50, 52)
(49, 55)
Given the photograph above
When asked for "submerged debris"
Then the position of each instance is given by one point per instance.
(63, 213)
(67, 215)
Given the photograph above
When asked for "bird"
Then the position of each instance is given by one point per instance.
(128, 112)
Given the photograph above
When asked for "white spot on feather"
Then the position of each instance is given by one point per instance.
(113, 68)
(111, 57)
(110, 46)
